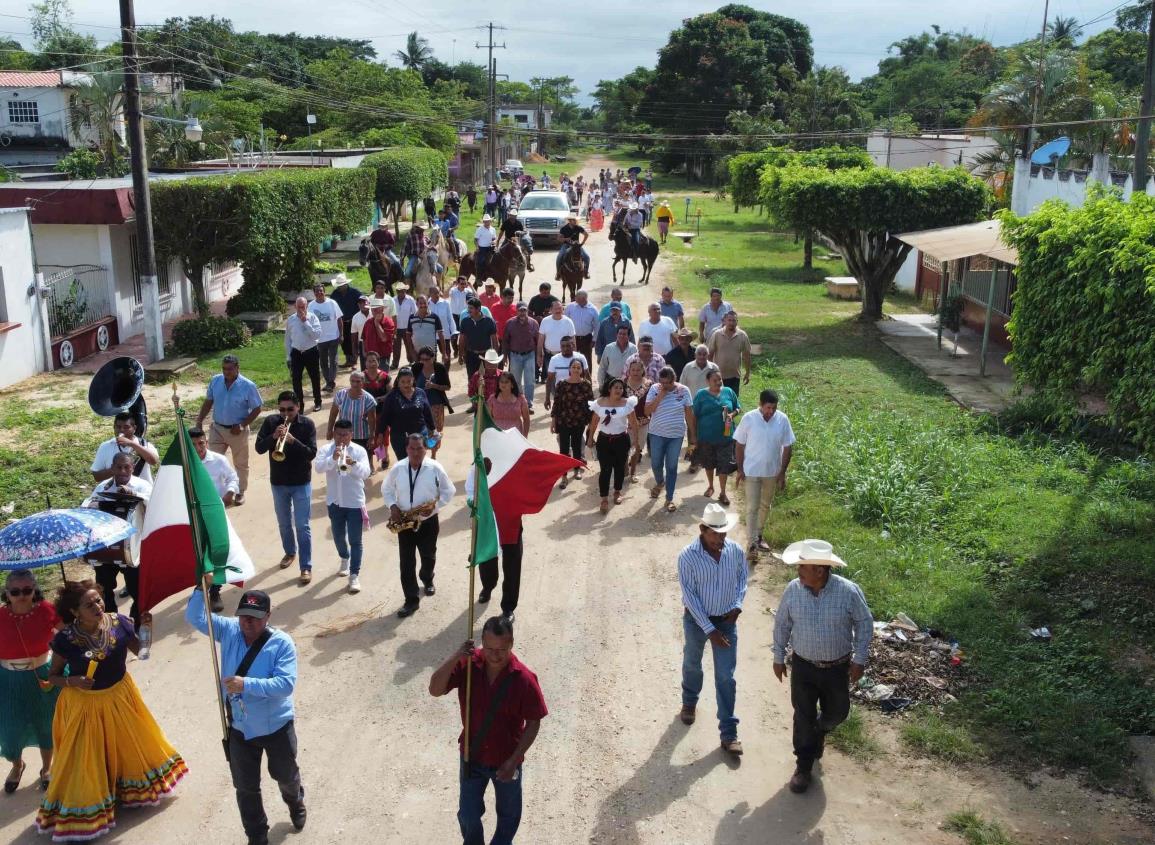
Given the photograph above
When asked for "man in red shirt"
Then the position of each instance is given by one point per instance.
(490, 298)
(379, 331)
(505, 309)
(499, 740)
(484, 381)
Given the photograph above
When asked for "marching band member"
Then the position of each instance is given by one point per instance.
(122, 482)
(346, 466)
(143, 455)
(418, 482)
(291, 441)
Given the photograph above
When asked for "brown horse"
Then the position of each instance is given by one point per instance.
(381, 269)
(572, 272)
(503, 266)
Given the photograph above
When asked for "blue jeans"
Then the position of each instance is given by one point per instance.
(636, 239)
(523, 368)
(471, 806)
(484, 253)
(346, 522)
(725, 662)
(563, 251)
(664, 461)
(292, 503)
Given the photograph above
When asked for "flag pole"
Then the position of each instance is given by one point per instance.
(198, 554)
(477, 480)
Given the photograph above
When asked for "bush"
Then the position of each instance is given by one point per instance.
(209, 334)
(406, 174)
(82, 164)
(328, 267)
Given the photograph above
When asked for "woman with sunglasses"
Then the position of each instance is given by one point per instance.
(715, 407)
(614, 414)
(508, 407)
(27, 625)
(110, 752)
(570, 414)
(433, 377)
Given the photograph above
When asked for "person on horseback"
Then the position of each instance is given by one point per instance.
(383, 238)
(634, 221)
(448, 222)
(513, 230)
(572, 235)
(415, 246)
(484, 238)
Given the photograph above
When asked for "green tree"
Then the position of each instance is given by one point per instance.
(97, 105)
(618, 100)
(861, 211)
(416, 53)
(1064, 31)
(1119, 53)
(824, 101)
(405, 175)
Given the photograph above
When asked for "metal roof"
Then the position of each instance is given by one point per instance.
(30, 78)
(953, 242)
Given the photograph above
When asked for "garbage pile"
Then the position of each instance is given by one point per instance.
(910, 665)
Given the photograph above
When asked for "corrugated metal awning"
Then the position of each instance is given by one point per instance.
(953, 242)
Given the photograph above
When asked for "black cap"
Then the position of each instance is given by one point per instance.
(254, 603)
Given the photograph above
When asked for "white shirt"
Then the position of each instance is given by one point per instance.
(404, 309)
(619, 418)
(388, 306)
(559, 365)
(109, 450)
(457, 300)
(552, 331)
(224, 477)
(328, 314)
(343, 489)
(584, 317)
(301, 335)
(660, 333)
(138, 486)
(407, 489)
(485, 236)
(358, 322)
(764, 442)
(444, 312)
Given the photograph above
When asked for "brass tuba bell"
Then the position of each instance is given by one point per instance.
(116, 388)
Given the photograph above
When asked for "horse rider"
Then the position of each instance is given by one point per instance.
(383, 238)
(415, 246)
(448, 222)
(634, 220)
(513, 230)
(484, 238)
(573, 236)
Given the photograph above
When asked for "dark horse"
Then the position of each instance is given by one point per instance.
(381, 269)
(623, 252)
(572, 272)
(503, 267)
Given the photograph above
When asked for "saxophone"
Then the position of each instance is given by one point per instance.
(411, 518)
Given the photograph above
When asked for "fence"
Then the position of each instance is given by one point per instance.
(77, 297)
(976, 283)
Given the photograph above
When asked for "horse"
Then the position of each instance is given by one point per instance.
(502, 267)
(572, 272)
(381, 269)
(439, 242)
(427, 273)
(623, 252)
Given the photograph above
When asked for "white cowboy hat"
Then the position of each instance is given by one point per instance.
(492, 356)
(633, 206)
(486, 217)
(400, 286)
(511, 213)
(340, 280)
(418, 224)
(382, 223)
(490, 282)
(816, 552)
(571, 217)
(664, 204)
(717, 519)
(376, 303)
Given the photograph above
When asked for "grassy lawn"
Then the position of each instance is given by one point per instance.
(949, 516)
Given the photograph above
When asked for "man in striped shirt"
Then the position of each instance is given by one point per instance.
(712, 571)
(824, 617)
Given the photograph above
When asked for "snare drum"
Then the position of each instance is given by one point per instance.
(131, 509)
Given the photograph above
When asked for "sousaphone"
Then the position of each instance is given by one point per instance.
(116, 388)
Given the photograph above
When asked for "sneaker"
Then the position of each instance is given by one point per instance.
(354, 584)
(343, 569)
(316, 407)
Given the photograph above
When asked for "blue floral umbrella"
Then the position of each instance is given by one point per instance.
(56, 535)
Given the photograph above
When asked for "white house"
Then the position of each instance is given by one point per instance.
(905, 152)
(85, 246)
(525, 116)
(23, 332)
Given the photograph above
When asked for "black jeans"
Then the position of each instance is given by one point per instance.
(106, 580)
(734, 384)
(613, 451)
(347, 340)
(511, 565)
(245, 763)
(420, 540)
(569, 440)
(472, 360)
(309, 360)
(809, 687)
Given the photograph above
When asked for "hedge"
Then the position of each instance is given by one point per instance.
(746, 168)
(1084, 308)
(209, 334)
(406, 174)
(271, 222)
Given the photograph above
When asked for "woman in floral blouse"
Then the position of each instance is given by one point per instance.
(571, 414)
(637, 386)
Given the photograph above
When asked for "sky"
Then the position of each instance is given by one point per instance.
(595, 39)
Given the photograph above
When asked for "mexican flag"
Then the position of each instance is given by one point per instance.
(521, 476)
(169, 561)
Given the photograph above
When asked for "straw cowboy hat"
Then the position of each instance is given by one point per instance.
(418, 224)
(717, 519)
(485, 217)
(340, 280)
(490, 283)
(571, 217)
(376, 303)
(400, 286)
(663, 204)
(684, 332)
(815, 552)
(492, 356)
(382, 223)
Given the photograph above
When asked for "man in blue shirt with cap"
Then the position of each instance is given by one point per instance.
(260, 702)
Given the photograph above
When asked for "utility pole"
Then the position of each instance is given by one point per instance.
(491, 113)
(146, 252)
(540, 117)
(1143, 130)
(1031, 132)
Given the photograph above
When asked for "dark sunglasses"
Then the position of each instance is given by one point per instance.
(21, 591)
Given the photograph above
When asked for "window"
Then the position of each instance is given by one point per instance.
(23, 111)
(521, 118)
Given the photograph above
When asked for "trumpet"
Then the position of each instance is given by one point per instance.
(342, 459)
(278, 453)
(411, 518)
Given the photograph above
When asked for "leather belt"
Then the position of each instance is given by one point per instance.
(27, 663)
(825, 664)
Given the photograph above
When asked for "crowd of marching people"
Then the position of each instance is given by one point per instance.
(659, 393)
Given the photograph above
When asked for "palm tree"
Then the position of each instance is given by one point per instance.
(96, 111)
(416, 53)
(1065, 31)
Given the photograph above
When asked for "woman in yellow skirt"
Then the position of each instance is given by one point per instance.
(109, 750)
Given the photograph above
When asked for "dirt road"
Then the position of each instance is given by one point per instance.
(600, 622)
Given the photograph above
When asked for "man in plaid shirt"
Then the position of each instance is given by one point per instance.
(415, 246)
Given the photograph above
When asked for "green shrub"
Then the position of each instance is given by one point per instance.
(406, 174)
(82, 164)
(209, 334)
(328, 267)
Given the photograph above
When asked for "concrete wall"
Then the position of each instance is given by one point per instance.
(1070, 186)
(52, 107)
(905, 153)
(22, 349)
(908, 272)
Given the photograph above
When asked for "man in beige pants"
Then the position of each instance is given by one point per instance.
(235, 403)
(764, 442)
